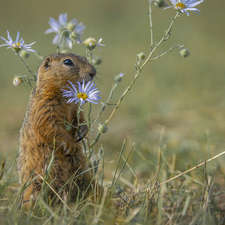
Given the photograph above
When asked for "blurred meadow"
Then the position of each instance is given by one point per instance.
(176, 106)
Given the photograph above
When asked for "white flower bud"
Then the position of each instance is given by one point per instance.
(184, 52)
(90, 43)
(102, 128)
(141, 56)
(17, 81)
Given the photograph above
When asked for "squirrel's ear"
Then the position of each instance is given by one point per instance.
(47, 63)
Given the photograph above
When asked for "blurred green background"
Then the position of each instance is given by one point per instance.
(186, 97)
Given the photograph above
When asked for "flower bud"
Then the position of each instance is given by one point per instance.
(118, 78)
(74, 36)
(96, 60)
(17, 81)
(160, 3)
(141, 56)
(102, 128)
(184, 52)
(24, 54)
(90, 43)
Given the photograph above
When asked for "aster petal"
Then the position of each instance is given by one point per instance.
(73, 87)
(17, 37)
(83, 86)
(50, 30)
(195, 4)
(9, 37)
(74, 21)
(79, 88)
(89, 100)
(168, 7)
(79, 28)
(4, 39)
(31, 50)
(63, 18)
(88, 87)
(4, 45)
(195, 10)
(69, 43)
(54, 24)
(56, 39)
(91, 88)
(185, 11)
(32, 43)
(21, 42)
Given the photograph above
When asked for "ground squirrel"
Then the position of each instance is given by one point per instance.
(44, 124)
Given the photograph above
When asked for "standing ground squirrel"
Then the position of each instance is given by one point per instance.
(44, 131)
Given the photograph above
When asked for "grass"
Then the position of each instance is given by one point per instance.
(174, 114)
(185, 199)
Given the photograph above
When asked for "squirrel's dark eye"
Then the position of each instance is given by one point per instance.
(68, 62)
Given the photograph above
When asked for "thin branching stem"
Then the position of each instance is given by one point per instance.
(164, 38)
(151, 24)
(27, 66)
(164, 52)
(107, 101)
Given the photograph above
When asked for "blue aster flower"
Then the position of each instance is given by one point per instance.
(17, 45)
(184, 5)
(68, 27)
(82, 93)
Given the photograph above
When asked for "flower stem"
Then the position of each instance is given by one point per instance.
(60, 39)
(89, 115)
(107, 101)
(151, 24)
(35, 78)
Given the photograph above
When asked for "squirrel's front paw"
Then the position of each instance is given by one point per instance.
(82, 132)
(69, 145)
(69, 149)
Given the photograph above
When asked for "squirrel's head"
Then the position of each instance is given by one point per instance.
(58, 68)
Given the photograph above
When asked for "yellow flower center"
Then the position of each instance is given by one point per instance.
(16, 45)
(180, 5)
(82, 95)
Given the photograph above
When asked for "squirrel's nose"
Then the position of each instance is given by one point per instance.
(93, 72)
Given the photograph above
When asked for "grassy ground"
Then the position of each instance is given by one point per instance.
(174, 113)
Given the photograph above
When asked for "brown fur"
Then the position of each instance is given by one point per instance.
(44, 124)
